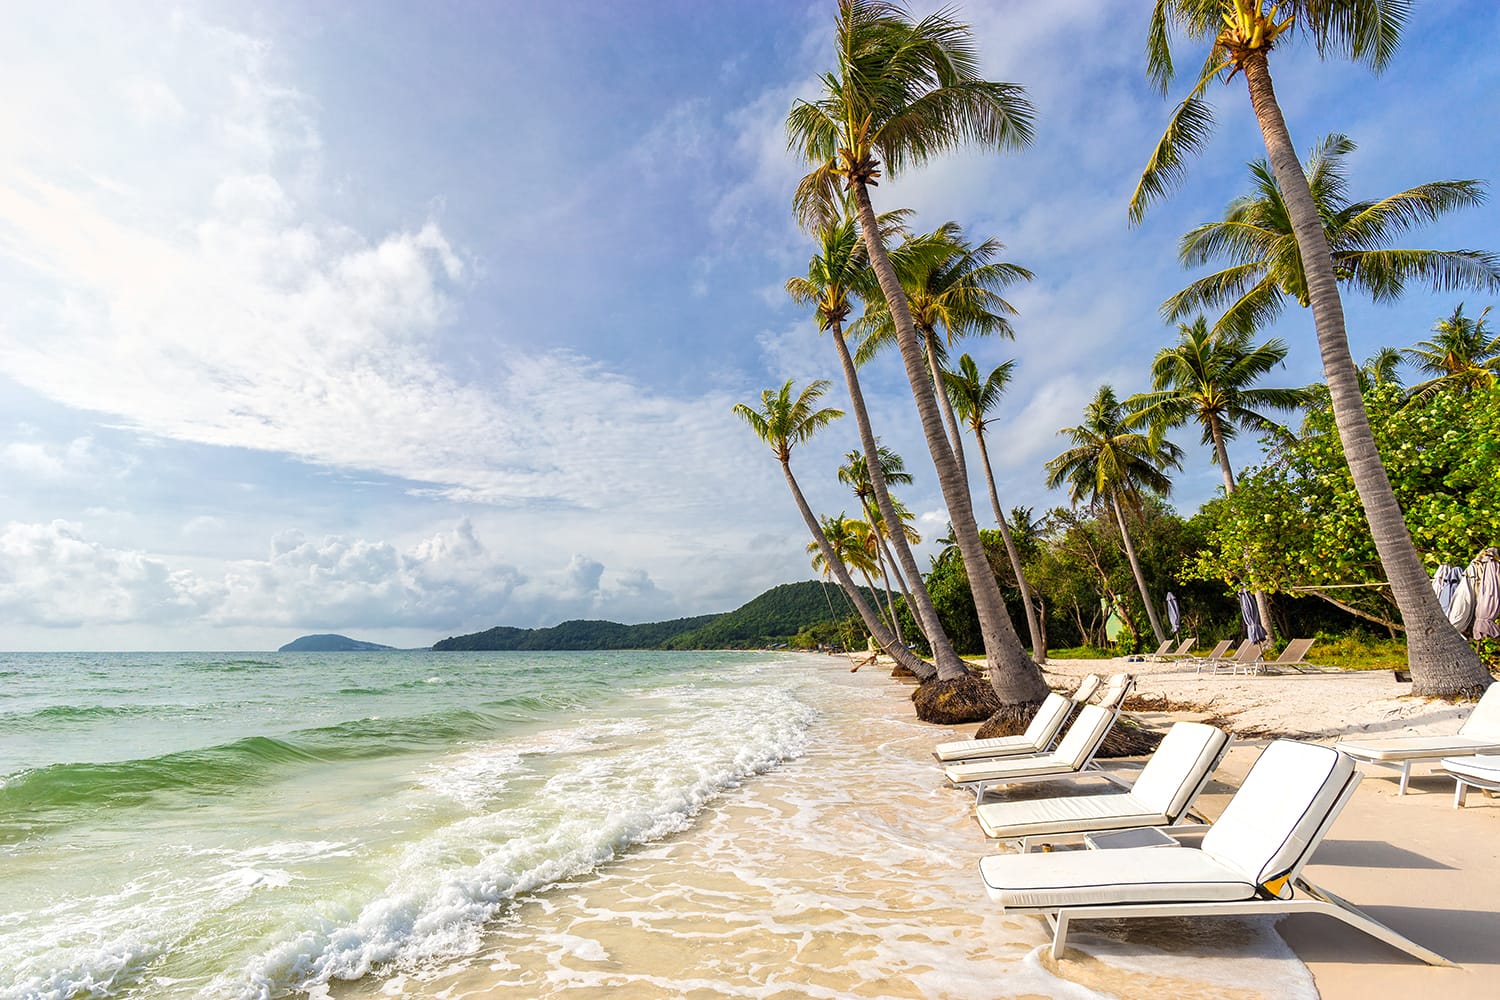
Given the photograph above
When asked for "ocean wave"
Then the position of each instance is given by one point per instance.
(45, 797)
(451, 883)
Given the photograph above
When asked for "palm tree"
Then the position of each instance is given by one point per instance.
(1462, 356)
(783, 423)
(953, 290)
(974, 398)
(1209, 376)
(849, 540)
(1381, 367)
(838, 271)
(1242, 35)
(1256, 239)
(1111, 464)
(855, 473)
(901, 93)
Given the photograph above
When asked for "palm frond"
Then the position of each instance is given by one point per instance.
(1187, 132)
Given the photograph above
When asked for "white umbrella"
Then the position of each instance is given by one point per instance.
(1174, 612)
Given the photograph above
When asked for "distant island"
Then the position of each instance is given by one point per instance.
(776, 617)
(327, 642)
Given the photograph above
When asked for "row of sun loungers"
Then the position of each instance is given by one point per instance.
(1249, 861)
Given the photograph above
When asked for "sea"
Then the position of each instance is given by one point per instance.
(448, 825)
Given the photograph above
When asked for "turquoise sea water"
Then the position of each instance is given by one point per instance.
(258, 825)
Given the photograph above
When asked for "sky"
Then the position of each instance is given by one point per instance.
(404, 321)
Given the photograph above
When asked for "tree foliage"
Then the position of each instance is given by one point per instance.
(1302, 525)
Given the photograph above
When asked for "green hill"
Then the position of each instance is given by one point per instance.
(576, 634)
(773, 617)
(328, 642)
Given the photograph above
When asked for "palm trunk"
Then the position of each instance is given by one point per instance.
(1015, 677)
(901, 583)
(921, 668)
(890, 599)
(1038, 638)
(949, 665)
(1262, 606)
(1441, 661)
(946, 405)
(1135, 568)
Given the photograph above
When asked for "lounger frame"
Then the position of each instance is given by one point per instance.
(1313, 900)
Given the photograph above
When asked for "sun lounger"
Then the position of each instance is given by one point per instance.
(1215, 654)
(1245, 658)
(1074, 755)
(1163, 656)
(1162, 795)
(1293, 656)
(1161, 650)
(1480, 771)
(1038, 738)
(1250, 861)
(1480, 733)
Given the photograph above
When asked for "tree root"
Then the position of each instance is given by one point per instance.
(963, 699)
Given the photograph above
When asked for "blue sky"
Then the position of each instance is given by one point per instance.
(407, 320)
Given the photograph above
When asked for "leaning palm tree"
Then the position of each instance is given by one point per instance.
(953, 290)
(974, 398)
(1462, 356)
(1109, 464)
(1265, 268)
(782, 423)
(855, 473)
(1242, 34)
(1209, 376)
(839, 271)
(848, 538)
(901, 93)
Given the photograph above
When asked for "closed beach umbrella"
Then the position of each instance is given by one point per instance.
(1444, 582)
(1485, 572)
(1254, 630)
(1174, 613)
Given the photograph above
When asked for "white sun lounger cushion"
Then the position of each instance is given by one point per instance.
(1072, 753)
(1484, 768)
(1414, 747)
(1094, 878)
(1267, 831)
(1164, 789)
(1480, 731)
(1065, 814)
(1049, 718)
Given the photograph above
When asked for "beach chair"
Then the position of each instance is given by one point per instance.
(1181, 652)
(1162, 796)
(1160, 650)
(1217, 653)
(1250, 861)
(1244, 659)
(1073, 756)
(1038, 738)
(1480, 771)
(1292, 657)
(1480, 733)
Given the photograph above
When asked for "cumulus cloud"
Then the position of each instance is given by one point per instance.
(55, 576)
